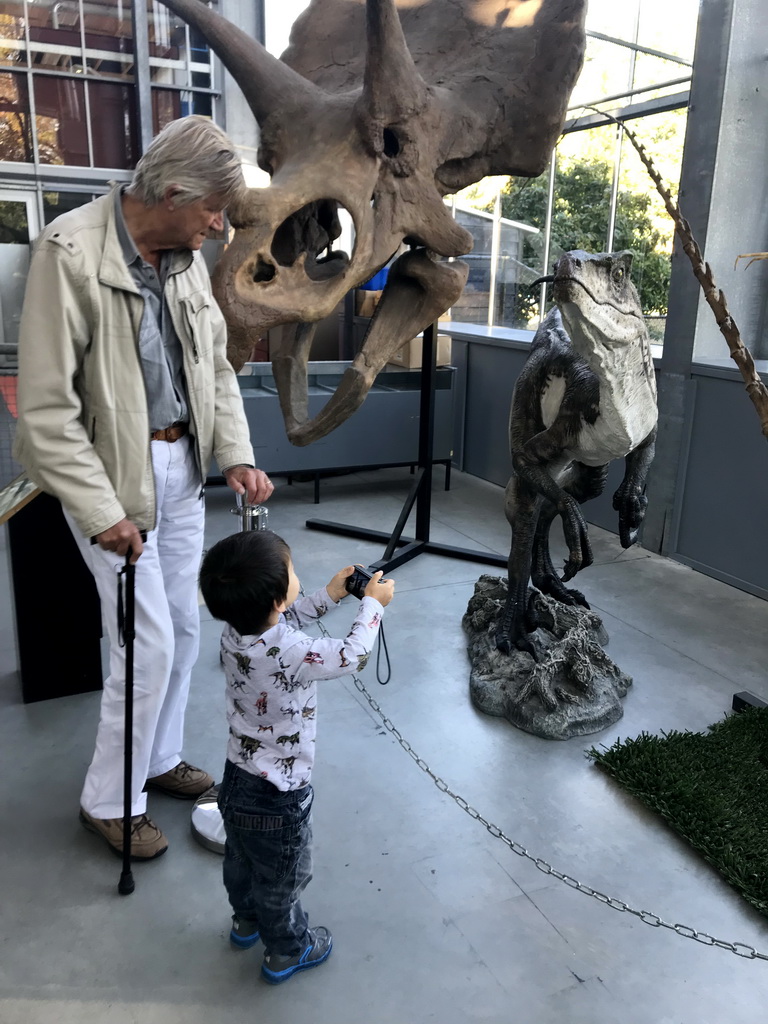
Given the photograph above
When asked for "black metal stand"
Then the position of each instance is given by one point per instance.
(420, 493)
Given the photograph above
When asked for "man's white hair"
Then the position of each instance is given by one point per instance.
(192, 155)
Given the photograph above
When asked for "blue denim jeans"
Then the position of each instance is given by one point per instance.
(268, 856)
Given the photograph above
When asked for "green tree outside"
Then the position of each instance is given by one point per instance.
(583, 181)
(580, 221)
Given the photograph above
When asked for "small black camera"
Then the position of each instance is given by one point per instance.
(358, 581)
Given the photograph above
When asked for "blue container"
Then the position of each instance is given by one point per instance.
(377, 282)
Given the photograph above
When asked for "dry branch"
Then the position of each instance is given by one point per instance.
(716, 301)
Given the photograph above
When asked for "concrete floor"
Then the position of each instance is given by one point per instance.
(434, 920)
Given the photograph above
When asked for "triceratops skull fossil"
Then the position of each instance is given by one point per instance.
(382, 114)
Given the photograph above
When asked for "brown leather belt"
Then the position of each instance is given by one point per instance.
(170, 434)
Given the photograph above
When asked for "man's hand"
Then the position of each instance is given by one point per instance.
(120, 537)
(337, 588)
(253, 483)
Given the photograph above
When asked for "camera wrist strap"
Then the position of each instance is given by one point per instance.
(382, 645)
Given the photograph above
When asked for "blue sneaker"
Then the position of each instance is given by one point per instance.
(278, 967)
(244, 933)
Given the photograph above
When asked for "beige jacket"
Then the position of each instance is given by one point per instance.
(83, 428)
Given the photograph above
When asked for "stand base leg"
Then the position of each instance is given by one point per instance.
(412, 547)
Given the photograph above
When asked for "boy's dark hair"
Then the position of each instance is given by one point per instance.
(243, 576)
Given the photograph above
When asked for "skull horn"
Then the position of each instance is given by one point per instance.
(392, 87)
(266, 82)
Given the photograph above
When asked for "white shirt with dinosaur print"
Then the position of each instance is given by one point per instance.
(271, 686)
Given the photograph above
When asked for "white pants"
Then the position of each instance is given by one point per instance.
(167, 636)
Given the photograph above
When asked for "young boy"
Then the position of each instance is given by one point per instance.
(265, 798)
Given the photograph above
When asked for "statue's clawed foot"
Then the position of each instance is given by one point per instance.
(518, 621)
(548, 583)
(631, 507)
(576, 537)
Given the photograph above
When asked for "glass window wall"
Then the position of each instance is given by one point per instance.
(62, 123)
(68, 97)
(15, 123)
(178, 55)
(55, 203)
(596, 195)
(13, 47)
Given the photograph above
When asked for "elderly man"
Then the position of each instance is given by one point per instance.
(125, 394)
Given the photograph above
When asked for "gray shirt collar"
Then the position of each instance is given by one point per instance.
(171, 261)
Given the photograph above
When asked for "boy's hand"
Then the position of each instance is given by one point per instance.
(382, 590)
(337, 588)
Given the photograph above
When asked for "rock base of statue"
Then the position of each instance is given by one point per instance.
(572, 689)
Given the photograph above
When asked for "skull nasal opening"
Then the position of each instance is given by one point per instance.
(263, 271)
(391, 142)
(311, 231)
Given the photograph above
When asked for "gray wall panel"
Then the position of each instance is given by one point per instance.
(600, 510)
(723, 511)
(459, 349)
(491, 372)
(383, 431)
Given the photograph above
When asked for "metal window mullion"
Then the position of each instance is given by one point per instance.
(658, 105)
(59, 49)
(617, 149)
(170, 87)
(640, 49)
(40, 208)
(68, 177)
(31, 97)
(548, 231)
(218, 102)
(48, 73)
(495, 246)
(633, 52)
(32, 121)
(86, 88)
(632, 92)
(141, 74)
(187, 51)
(614, 190)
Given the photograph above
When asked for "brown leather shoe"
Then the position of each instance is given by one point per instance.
(147, 841)
(185, 782)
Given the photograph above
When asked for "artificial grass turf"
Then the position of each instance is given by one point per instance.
(712, 788)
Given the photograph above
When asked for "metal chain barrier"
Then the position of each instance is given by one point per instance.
(741, 949)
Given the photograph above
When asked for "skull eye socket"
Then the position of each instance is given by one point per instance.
(310, 232)
(391, 143)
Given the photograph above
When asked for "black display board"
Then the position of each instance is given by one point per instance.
(57, 607)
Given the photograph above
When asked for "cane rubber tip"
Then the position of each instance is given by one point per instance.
(126, 885)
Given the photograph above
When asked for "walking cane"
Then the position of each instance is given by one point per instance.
(126, 628)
